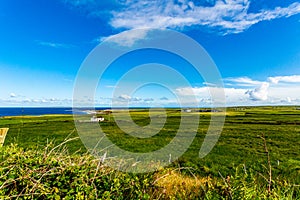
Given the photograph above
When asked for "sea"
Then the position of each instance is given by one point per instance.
(36, 111)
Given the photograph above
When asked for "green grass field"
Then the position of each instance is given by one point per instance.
(239, 150)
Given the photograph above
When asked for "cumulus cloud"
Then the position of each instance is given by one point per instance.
(203, 96)
(276, 89)
(12, 95)
(288, 100)
(246, 91)
(260, 93)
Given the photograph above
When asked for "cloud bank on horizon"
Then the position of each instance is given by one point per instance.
(279, 90)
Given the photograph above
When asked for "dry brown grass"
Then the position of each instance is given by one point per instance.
(174, 184)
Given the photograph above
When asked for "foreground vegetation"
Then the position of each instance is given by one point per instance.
(52, 173)
(256, 157)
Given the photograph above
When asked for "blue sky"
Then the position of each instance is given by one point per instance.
(254, 43)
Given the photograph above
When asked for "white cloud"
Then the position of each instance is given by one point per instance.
(54, 45)
(285, 79)
(79, 2)
(148, 99)
(202, 94)
(209, 84)
(189, 91)
(164, 99)
(12, 95)
(25, 101)
(242, 81)
(231, 16)
(225, 16)
(255, 92)
(111, 86)
(260, 93)
(126, 39)
(124, 97)
(136, 99)
(277, 89)
(289, 100)
(284, 91)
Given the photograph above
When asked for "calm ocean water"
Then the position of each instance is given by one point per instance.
(18, 111)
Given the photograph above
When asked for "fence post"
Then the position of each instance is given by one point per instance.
(3, 132)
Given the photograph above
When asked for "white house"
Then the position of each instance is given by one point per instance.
(97, 119)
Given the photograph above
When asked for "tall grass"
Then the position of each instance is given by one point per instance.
(54, 173)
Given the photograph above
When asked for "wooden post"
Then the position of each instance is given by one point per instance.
(3, 132)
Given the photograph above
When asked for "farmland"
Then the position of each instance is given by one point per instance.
(253, 140)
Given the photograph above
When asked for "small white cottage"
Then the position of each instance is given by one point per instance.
(97, 119)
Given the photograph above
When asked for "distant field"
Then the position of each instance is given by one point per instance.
(240, 142)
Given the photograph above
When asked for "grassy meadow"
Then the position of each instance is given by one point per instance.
(256, 157)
